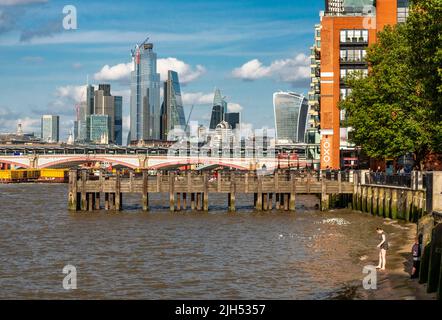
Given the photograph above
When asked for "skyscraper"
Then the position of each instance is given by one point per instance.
(104, 105)
(233, 119)
(85, 109)
(50, 128)
(145, 109)
(118, 101)
(291, 111)
(172, 110)
(99, 128)
(218, 111)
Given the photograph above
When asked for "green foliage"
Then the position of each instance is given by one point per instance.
(398, 107)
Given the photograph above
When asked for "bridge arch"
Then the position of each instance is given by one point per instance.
(187, 163)
(18, 164)
(82, 160)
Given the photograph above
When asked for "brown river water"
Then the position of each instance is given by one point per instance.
(215, 255)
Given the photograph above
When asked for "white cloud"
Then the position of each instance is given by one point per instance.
(234, 107)
(185, 72)
(118, 72)
(287, 70)
(19, 2)
(73, 93)
(197, 98)
(121, 72)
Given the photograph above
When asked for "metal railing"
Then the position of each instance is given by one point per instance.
(381, 178)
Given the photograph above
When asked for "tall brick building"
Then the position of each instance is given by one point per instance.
(347, 28)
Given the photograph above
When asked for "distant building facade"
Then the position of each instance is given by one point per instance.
(172, 109)
(290, 111)
(50, 128)
(145, 109)
(218, 110)
(233, 119)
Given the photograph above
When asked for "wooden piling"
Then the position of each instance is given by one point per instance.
(259, 195)
(145, 195)
(72, 197)
(171, 192)
(292, 204)
(118, 195)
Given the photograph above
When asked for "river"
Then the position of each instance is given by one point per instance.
(159, 255)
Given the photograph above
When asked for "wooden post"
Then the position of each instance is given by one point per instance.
(198, 201)
(259, 195)
(118, 204)
(286, 201)
(72, 198)
(172, 191)
(106, 201)
(178, 201)
(192, 201)
(112, 201)
(277, 203)
(394, 204)
(206, 193)
(408, 204)
(369, 200)
(90, 201)
(381, 206)
(375, 200)
(292, 205)
(232, 207)
(387, 201)
(185, 200)
(325, 202)
(97, 201)
(83, 191)
(264, 202)
(145, 195)
(270, 202)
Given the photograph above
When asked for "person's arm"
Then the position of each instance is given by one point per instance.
(382, 242)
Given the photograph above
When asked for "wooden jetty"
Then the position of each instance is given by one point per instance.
(274, 190)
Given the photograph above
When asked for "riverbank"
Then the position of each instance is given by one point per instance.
(395, 283)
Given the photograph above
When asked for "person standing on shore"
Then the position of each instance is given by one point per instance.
(383, 247)
(417, 252)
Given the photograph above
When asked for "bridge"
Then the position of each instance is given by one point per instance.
(141, 158)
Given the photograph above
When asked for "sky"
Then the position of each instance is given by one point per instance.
(247, 48)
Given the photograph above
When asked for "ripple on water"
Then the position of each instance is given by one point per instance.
(158, 255)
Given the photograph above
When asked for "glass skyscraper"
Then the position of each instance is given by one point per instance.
(145, 109)
(50, 128)
(218, 111)
(291, 111)
(172, 110)
(118, 101)
(233, 119)
(99, 132)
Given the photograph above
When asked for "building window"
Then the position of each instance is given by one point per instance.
(354, 36)
(344, 73)
(402, 10)
(353, 55)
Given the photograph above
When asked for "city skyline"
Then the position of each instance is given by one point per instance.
(249, 68)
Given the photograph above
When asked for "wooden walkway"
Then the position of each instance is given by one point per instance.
(280, 188)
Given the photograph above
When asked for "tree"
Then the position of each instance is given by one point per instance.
(397, 108)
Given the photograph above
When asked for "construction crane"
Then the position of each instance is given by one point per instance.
(188, 118)
(136, 52)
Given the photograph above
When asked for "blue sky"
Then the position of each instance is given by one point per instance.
(249, 49)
